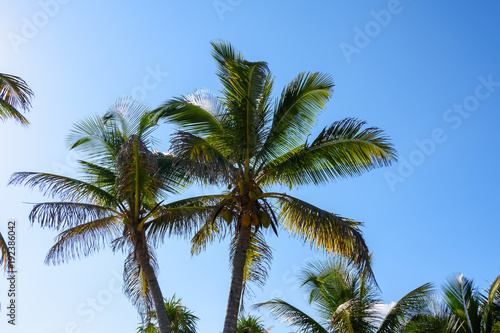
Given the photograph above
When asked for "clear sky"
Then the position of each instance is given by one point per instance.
(426, 72)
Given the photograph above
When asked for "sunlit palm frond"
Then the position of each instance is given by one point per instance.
(207, 234)
(324, 230)
(292, 316)
(341, 150)
(63, 215)
(258, 261)
(412, 304)
(84, 239)
(438, 318)
(462, 298)
(65, 188)
(490, 308)
(300, 103)
(15, 95)
(199, 113)
(100, 176)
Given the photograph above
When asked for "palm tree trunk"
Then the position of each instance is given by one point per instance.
(239, 259)
(142, 255)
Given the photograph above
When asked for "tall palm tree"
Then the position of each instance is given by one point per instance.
(15, 95)
(182, 320)
(247, 141)
(346, 301)
(115, 201)
(463, 309)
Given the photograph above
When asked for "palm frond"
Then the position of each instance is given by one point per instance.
(341, 150)
(324, 230)
(84, 239)
(491, 306)
(461, 297)
(408, 306)
(63, 215)
(15, 95)
(135, 286)
(199, 113)
(300, 103)
(181, 217)
(292, 316)
(66, 188)
(4, 254)
(200, 159)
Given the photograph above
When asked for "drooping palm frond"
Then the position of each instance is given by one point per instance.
(341, 150)
(15, 95)
(63, 215)
(65, 188)
(135, 286)
(84, 239)
(4, 254)
(323, 230)
(250, 324)
(292, 316)
(258, 262)
(412, 304)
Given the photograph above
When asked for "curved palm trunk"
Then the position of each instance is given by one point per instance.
(239, 259)
(142, 255)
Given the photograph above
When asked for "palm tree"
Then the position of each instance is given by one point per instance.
(346, 301)
(250, 324)
(182, 320)
(463, 309)
(15, 95)
(115, 201)
(247, 142)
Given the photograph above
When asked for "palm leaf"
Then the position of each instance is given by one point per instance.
(135, 286)
(66, 188)
(4, 254)
(300, 103)
(324, 230)
(461, 297)
(84, 239)
(62, 215)
(15, 95)
(409, 305)
(292, 316)
(491, 306)
(341, 150)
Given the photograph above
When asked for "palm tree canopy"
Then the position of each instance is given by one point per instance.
(15, 97)
(247, 140)
(117, 197)
(345, 300)
(182, 320)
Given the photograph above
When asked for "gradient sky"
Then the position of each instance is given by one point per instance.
(426, 72)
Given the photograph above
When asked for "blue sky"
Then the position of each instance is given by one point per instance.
(426, 72)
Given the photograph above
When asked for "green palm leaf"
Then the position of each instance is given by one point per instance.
(342, 150)
(4, 254)
(461, 297)
(15, 95)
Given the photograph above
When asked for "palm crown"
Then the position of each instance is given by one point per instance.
(15, 95)
(248, 141)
